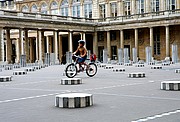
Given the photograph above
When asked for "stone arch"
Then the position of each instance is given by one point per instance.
(25, 8)
(45, 5)
(35, 7)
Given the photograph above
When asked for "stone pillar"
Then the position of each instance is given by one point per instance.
(81, 11)
(95, 10)
(108, 46)
(121, 8)
(17, 51)
(178, 4)
(107, 9)
(56, 34)
(26, 45)
(167, 42)
(162, 5)
(31, 49)
(152, 40)
(70, 43)
(147, 6)
(133, 5)
(8, 46)
(70, 10)
(37, 47)
(122, 39)
(40, 45)
(1, 45)
(47, 44)
(136, 41)
(21, 41)
(95, 44)
(60, 48)
(84, 36)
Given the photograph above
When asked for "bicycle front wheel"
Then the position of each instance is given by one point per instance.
(91, 70)
(71, 70)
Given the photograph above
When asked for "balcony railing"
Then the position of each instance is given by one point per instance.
(67, 19)
(144, 16)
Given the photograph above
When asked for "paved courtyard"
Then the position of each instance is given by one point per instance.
(116, 98)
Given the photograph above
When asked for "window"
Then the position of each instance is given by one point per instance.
(34, 9)
(113, 9)
(54, 8)
(157, 50)
(102, 10)
(127, 7)
(64, 8)
(140, 6)
(25, 9)
(113, 35)
(126, 35)
(44, 8)
(2, 4)
(154, 5)
(170, 4)
(76, 8)
(88, 8)
(100, 36)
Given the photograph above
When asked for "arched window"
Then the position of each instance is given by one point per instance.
(44, 8)
(64, 8)
(25, 9)
(88, 8)
(54, 8)
(34, 9)
(76, 8)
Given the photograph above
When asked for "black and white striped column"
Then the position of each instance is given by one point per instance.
(74, 100)
(19, 72)
(170, 85)
(119, 70)
(177, 70)
(136, 75)
(5, 78)
(30, 69)
(156, 67)
(71, 81)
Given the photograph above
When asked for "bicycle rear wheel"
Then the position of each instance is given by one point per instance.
(91, 70)
(71, 70)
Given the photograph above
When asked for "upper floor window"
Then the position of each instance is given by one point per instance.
(102, 10)
(140, 6)
(127, 7)
(25, 9)
(154, 5)
(44, 8)
(54, 8)
(76, 8)
(88, 8)
(2, 4)
(170, 4)
(113, 9)
(34, 9)
(64, 8)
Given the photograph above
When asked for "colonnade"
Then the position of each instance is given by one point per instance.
(136, 41)
(26, 45)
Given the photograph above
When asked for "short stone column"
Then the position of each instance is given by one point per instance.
(74, 100)
(126, 55)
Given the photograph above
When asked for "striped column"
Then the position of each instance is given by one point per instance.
(73, 100)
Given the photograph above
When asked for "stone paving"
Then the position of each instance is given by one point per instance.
(116, 97)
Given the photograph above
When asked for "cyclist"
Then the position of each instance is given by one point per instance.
(82, 51)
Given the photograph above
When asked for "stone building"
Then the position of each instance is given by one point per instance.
(115, 24)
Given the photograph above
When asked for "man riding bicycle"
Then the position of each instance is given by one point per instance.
(82, 52)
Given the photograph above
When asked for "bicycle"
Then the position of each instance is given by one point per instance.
(72, 70)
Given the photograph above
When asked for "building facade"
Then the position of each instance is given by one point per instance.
(117, 24)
